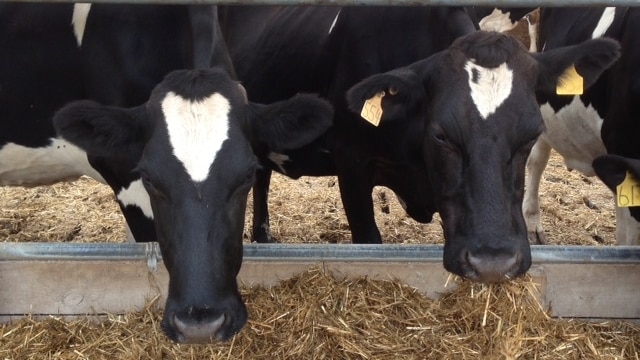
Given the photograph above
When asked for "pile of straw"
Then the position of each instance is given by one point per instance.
(316, 315)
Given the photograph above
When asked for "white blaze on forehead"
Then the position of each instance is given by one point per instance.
(490, 87)
(197, 130)
(79, 20)
(605, 21)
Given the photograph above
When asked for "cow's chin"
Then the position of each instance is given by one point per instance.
(193, 325)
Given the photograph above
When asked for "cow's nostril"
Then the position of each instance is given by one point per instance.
(493, 268)
(196, 331)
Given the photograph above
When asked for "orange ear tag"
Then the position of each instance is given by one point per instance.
(570, 82)
(628, 192)
(372, 109)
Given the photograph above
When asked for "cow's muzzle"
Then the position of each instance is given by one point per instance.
(492, 266)
(201, 326)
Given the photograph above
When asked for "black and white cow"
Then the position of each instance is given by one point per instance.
(114, 54)
(604, 119)
(192, 143)
(280, 51)
(476, 102)
(189, 146)
(477, 105)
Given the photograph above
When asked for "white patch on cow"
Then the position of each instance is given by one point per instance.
(490, 87)
(497, 21)
(79, 20)
(335, 20)
(627, 228)
(197, 130)
(136, 195)
(574, 132)
(60, 161)
(279, 160)
(606, 19)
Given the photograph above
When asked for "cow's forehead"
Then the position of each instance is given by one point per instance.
(197, 129)
(489, 87)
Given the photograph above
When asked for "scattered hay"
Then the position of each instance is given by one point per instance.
(79, 211)
(576, 210)
(315, 315)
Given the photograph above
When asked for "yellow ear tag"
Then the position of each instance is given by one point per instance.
(570, 83)
(628, 192)
(372, 109)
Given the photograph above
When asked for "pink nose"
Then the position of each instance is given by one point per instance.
(488, 268)
(197, 331)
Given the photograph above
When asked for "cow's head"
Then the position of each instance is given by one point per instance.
(477, 101)
(193, 144)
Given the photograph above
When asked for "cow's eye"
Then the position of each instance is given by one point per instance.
(440, 137)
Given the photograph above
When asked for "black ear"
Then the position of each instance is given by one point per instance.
(100, 130)
(289, 124)
(401, 91)
(612, 169)
(590, 59)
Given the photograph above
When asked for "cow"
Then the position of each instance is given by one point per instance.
(485, 237)
(114, 54)
(478, 108)
(193, 146)
(600, 121)
(274, 64)
(279, 51)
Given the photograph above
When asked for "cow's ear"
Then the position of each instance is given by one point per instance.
(589, 58)
(289, 124)
(386, 97)
(612, 169)
(100, 130)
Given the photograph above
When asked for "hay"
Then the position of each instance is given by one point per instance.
(316, 315)
(79, 211)
(575, 210)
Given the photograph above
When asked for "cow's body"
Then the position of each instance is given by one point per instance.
(485, 236)
(279, 51)
(192, 146)
(114, 54)
(602, 120)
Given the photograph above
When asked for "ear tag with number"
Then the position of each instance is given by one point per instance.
(570, 83)
(372, 109)
(628, 192)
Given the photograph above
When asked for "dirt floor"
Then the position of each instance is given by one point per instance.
(575, 209)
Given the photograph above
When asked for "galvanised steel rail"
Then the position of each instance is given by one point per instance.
(309, 252)
(495, 3)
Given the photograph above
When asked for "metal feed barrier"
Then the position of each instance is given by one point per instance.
(77, 279)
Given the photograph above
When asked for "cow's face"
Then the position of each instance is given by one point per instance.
(193, 139)
(478, 103)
